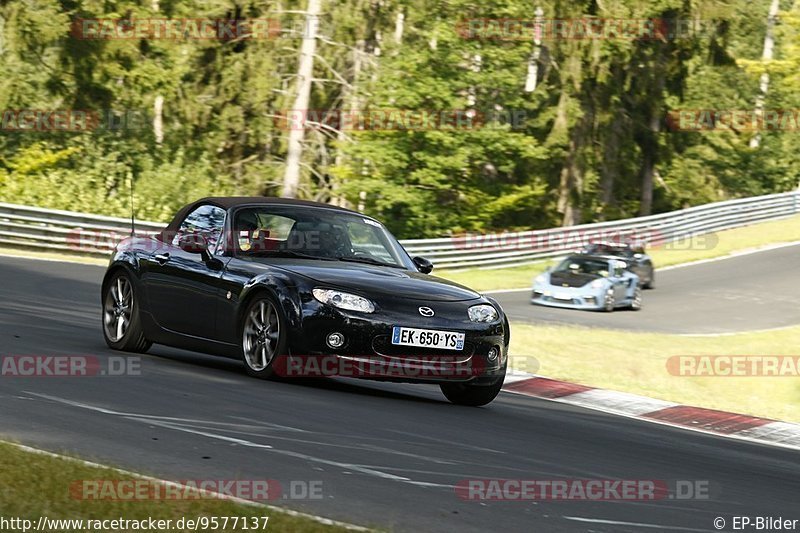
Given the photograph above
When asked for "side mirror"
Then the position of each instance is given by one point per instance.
(194, 243)
(549, 268)
(423, 265)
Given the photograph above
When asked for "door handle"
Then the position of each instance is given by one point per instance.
(162, 258)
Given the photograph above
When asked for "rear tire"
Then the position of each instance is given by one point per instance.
(263, 336)
(651, 281)
(122, 324)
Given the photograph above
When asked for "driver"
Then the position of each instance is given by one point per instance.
(251, 236)
(334, 243)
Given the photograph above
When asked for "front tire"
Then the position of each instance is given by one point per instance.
(472, 395)
(263, 335)
(610, 302)
(122, 324)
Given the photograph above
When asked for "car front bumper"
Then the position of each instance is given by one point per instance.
(569, 297)
(368, 352)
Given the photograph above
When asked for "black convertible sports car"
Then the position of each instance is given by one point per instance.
(291, 287)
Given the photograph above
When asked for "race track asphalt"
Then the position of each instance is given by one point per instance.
(388, 455)
(744, 293)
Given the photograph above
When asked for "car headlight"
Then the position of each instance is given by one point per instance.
(344, 300)
(597, 284)
(482, 313)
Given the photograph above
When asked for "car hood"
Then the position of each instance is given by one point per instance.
(380, 281)
(571, 279)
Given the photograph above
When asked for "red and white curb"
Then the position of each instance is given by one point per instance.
(733, 425)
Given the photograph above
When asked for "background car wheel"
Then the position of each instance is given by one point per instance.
(636, 303)
(470, 394)
(263, 336)
(122, 326)
(651, 281)
(609, 303)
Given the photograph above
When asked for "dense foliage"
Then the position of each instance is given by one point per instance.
(591, 141)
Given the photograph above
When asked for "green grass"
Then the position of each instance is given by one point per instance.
(636, 363)
(34, 485)
(705, 247)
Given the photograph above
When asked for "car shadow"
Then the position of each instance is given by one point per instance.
(236, 368)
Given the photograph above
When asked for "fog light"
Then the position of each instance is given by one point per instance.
(492, 355)
(335, 340)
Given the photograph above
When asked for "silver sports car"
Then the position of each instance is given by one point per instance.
(584, 281)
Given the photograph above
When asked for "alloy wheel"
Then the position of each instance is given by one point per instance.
(261, 335)
(118, 308)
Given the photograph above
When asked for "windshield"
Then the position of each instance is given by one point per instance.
(315, 233)
(583, 265)
(607, 249)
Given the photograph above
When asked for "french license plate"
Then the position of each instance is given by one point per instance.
(562, 296)
(427, 338)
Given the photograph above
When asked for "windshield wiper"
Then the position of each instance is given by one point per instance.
(369, 261)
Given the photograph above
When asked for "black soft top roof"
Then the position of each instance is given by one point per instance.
(596, 257)
(227, 202)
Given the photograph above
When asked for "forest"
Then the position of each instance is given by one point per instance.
(437, 116)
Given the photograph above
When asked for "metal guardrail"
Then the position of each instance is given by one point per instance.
(518, 248)
(52, 230)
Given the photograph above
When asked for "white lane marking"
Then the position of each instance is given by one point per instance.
(733, 333)
(158, 417)
(234, 499)
(193, 431)
(366, 447)
(262, 425)
(445, 441)
(297, 455)
(732, 255)
(271, 425)
(631, 524)
(137, 418)
(621, 402)
(603, 409)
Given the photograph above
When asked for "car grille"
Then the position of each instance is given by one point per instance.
(560, 300)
